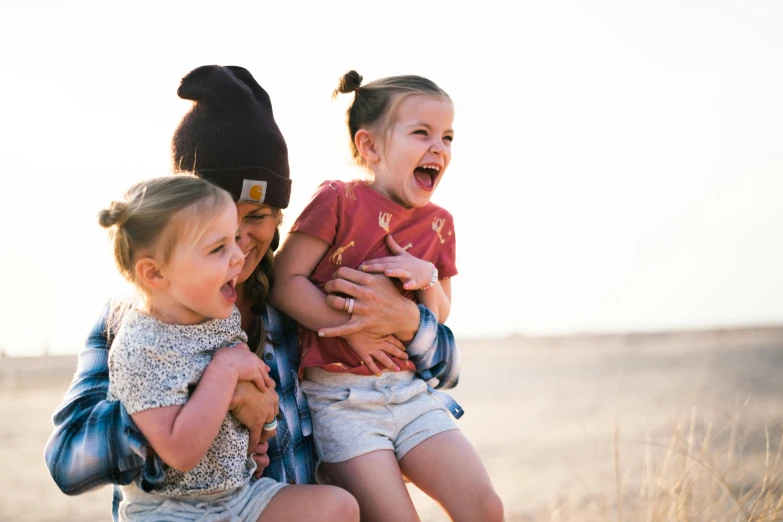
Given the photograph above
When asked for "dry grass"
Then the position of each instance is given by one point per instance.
(702, 473)
(560, 440)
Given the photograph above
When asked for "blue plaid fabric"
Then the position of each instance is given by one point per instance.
(96, 443)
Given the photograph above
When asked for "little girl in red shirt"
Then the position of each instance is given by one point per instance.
(373, 427)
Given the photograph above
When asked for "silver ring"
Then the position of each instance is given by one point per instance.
(271, 426)
(350, 305)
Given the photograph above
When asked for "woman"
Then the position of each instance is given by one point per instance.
(230, 138)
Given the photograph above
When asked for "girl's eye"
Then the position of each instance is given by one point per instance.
(448, 138)
(420, 131)
(216, 250)
(257, 217)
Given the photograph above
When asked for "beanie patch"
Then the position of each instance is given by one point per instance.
(253, 191)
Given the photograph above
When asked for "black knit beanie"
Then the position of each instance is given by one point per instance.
(230, 138)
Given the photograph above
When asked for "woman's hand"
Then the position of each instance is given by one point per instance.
(259, 454)
(371, 348)
(254, 408)
(379, 308)
(415, 273)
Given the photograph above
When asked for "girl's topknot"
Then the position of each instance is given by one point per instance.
(375, 105)
(139, 223)
(116, 214)
(349, 82)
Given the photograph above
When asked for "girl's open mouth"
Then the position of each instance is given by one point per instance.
(426, 175)
(229, 289)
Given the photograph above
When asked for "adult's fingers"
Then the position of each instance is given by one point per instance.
(352, 326)
(266, 435)
(255, 436)
(337, 302)
(343, 286)
(352, 276)
(262, 462)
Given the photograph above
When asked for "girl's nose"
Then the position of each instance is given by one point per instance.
(237, 257)
(437, 147)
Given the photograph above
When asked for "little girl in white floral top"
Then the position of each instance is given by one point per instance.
(175, 239)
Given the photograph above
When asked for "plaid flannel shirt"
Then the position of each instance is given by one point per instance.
(96, 443)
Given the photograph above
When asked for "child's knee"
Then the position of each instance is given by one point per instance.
(342, 506)
(491, 506)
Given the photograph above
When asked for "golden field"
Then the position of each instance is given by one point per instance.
(643, 427)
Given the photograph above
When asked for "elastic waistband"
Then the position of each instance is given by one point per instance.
(387, 379)
(133, 493)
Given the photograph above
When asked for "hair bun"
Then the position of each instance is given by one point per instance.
(349, 82)
(116, 214)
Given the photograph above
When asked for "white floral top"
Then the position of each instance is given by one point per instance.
(153, 365)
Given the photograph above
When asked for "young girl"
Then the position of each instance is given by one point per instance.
(370, 427)
(174, 239)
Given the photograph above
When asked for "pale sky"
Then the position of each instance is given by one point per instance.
(617, 166)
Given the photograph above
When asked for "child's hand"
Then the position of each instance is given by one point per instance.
(371, 348)
(247, 365)
(415, 273)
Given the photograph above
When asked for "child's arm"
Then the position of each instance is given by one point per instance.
(181, 435)
(293, 292)
(437, 298)
(416, 274)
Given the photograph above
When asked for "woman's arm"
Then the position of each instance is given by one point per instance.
(434, 351)
(95, 442)
(182, 434)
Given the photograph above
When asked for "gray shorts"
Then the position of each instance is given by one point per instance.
(241, 504)
(356, 414)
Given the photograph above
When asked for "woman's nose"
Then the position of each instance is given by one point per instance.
(242, 238)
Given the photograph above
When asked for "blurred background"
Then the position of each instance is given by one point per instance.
(616, 187)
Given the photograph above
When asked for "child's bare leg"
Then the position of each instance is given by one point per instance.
(311, 504)
(448, 469)
(376, 482)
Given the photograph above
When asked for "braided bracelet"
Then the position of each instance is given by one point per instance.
(433, 279)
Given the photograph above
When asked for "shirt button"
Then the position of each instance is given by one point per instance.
(279, 416)
(292, 481)
(268, 356)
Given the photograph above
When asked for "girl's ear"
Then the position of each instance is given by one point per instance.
(149, 274)
(367, 145)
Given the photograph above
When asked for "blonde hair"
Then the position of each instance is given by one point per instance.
(140, 224)
(375, 104)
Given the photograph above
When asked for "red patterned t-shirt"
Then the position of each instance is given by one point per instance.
(355, 219)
